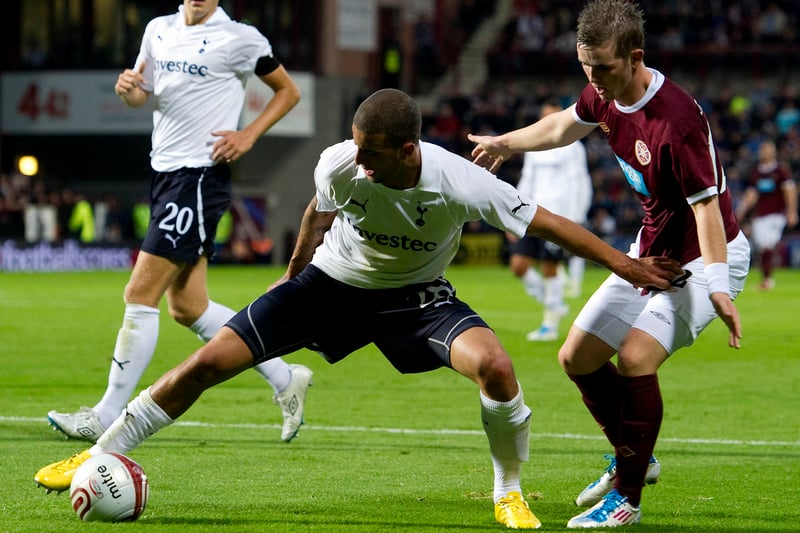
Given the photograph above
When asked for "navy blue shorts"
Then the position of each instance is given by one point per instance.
(185, 208)
(412, 326)
(537, 248)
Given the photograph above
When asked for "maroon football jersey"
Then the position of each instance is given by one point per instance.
(769, 181)
(663, 144)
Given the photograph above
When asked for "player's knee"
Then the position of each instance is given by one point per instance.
(566, 358)
(183, 315)
(518, 269)
(205, 368)
(496, 367)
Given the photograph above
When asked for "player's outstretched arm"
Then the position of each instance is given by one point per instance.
(647, 272)
(312, 230)
(552, 131)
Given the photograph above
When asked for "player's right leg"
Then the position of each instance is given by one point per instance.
(477, 354)
(190, 306)
(133, 351)
(159, 405)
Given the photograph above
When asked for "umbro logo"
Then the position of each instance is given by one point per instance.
(293, 405)
(661, 317)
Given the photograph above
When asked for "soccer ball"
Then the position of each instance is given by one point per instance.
(109, 487)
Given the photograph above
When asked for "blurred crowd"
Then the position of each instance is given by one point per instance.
(747, 98)
(541, 35)
(755, 101)
(740, 121)
(33, 210)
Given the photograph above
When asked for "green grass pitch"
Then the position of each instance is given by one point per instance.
(386, 452)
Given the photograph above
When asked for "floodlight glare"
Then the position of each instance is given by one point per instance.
(28, 165)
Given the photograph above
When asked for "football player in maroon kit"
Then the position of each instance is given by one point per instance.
(663, 142)
(773, 193)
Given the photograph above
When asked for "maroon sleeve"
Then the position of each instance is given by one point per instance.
(695, 162)
(585, 106)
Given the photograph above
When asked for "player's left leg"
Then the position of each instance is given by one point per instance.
(133, 350)
(190, 306)
(575, 272)
(553, 300)
(477, 354)
(159, 405)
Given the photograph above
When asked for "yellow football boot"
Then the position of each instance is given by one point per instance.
(513, 512)
(58, 476)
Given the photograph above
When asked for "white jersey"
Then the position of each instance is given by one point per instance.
(558, 180)
(197, 75)
(384, 238)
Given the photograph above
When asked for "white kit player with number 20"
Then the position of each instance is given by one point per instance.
(194, 65)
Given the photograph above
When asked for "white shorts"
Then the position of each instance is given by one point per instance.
(674, 319)
(768, 230)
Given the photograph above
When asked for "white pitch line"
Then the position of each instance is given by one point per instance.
(409, 431)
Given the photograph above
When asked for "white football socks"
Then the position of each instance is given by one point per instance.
(553, 293)
(140, 419)
(577, 269)
(532, 281)
(211, 321)
(507, 426)
(136, 343)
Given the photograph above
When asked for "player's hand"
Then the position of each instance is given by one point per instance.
(231, 145)
(730, 315)
(488, 152)
(655, 274)
(129, 80)
(280, 281)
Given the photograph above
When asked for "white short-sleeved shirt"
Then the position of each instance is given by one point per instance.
(559, 180)
(383, 238)
(197, 75)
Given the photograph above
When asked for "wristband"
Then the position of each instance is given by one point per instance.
(717, 278)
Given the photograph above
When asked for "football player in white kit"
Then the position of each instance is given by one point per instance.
(369, 267)
(559, 180)
(194, 63)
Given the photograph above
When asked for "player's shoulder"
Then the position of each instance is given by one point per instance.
(432, 151)
(440, 163)
(785, 171)
(674, 112)
(237, 27)
(453, 175)
(677, 99)
(338, 156)
(162, 22)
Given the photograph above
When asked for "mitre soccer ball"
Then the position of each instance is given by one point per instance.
(109, 487)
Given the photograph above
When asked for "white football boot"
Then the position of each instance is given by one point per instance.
(595, 491)
(83, 425)
(292, 401)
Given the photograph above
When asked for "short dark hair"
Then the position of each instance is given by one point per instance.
(620, 21)
(391, 112)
